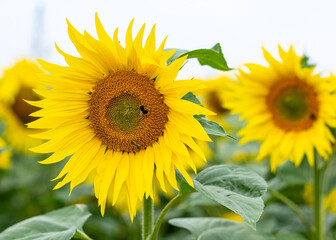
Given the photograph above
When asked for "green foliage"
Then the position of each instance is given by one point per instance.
(210, 127)
(2, 127)
(212, 57)
(235, 187)
(61, 224)
(191, 98)
(217, 228)
(305, 62)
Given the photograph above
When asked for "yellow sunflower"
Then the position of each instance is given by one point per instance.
(287, 107)
(5, 155)
(15, 86)
(118, 111)
(214, 94)
(329, 200)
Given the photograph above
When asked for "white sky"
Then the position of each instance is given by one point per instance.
(240, 26)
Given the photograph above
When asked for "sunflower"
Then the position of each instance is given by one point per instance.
(329, 200)
(15, 86)
(214, 94)
(287, 107)
(118, 111)
(5, 155)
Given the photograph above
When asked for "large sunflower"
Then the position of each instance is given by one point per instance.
(16, 85)
(287, 107)
(119, 113)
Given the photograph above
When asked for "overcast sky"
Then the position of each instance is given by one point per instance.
(29, 28)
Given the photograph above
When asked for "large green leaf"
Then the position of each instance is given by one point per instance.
(212, 57)
(234, 187)
(218, 228)
(61, 224)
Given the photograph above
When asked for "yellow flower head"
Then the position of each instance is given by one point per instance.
(16, 86)
(118, 111)
(287, 107)
(5, 155)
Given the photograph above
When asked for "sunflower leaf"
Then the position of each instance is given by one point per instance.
(218, 228)
(61, 224)
(235, 187)
(185, 188)
(210, 127)
(191, 98)
(212, 57)
(3, 149)
(2, 127)
(305, 63)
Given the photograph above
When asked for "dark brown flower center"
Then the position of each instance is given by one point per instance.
(21, 108)
(293, 104)
(127, 112)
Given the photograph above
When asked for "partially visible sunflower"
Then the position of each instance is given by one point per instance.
(329, 200)
(16, 86)
(118, 111)
(287, 107)
(5, 155)
(213, 96)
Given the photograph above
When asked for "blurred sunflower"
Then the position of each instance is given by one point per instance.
(213, 96)
(16, 86)
(119, 113)
(329, 200)
(287, 107)
(5, 155)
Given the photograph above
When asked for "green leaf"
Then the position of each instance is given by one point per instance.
(2, 127)
(235, 187)
(212, 57)
(185, 188)
(61, 224)
(3, 149)
(234, 233)
(210, 127)
(289, 236)
(218, 228)
(191, 98)
(305, 62)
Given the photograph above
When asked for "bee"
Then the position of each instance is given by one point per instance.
(136, 145)
(143, 110)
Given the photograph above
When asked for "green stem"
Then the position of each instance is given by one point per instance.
(318, 200)
(147, 217)
(292, 206)
(162, 214)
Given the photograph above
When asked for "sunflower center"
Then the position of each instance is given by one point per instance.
(293, 104)
(127, 112)
(214, 103)
(124, 112)
(21, 108)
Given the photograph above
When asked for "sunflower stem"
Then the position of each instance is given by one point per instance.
(318, 199)
(162, 215)
(147, 217)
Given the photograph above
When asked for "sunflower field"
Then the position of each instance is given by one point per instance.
(118, 132)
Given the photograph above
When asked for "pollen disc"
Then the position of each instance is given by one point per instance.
(21, 108)
(127, 112)
(293, 104)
